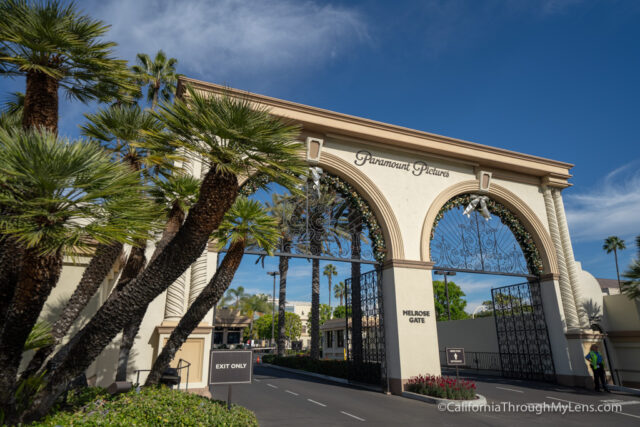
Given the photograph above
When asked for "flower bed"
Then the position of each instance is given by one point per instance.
(442, 387)
(151, 406)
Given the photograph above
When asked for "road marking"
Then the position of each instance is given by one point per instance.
(272, 386)
(353, 416)
(291, 392)
(621, 402)
(577, 403)
(255, 379)
(562, 400)
(510, 389)
(317, 403)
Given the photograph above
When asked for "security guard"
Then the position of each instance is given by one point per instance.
(596, 361)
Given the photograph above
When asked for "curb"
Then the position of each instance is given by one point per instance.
(323, 377)
(623, 389)
(444, 403)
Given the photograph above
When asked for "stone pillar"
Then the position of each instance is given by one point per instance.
(174, 306)
(411, 337)
(568, 256)
(198, 276)
(566, 293)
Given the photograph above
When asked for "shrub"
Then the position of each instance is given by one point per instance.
(333, 368)
(442, 387)
(150, 406)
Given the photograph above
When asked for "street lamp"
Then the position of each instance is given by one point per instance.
(273, 306)
(446, 287)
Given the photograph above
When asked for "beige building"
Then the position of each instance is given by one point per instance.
(407, 177)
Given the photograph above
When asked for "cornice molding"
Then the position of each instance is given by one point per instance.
(325, 121)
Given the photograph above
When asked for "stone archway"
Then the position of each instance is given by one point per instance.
(517, 206)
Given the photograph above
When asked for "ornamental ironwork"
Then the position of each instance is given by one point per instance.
(323, 220)
(365, 343)
(523, 339)
(477, 234)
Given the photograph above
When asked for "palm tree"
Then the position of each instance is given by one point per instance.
(234, 137)
(56, 46)
(330, 270)
(120, 130)
(631, 287)
(614, 243)
(238, 294)
(246, 222)
(160, 75)
(62, 195)
(176, 194)
(339, 291)
(286, 210)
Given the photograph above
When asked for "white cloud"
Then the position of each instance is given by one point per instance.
(217, 40)
(609, 208)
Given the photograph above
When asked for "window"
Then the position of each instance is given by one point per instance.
(217, 337)
(233, 337)
(304, 329)
(329, 335)
(340, 338)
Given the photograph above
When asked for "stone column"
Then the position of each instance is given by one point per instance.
(568, 255)
(174, 305)
(198, 276)
(411, 336)
(566, 292)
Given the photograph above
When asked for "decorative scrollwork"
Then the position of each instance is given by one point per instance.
(325, 220)
(482, 245)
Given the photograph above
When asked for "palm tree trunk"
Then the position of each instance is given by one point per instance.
(615, 254)
(208, 298)
(10, 263)
(218, 191)
(130, 331)
(283, 268)
(41, 102)
(356, 301)
(99, 267)
(38, 276)
(315, 309)
(329, 296)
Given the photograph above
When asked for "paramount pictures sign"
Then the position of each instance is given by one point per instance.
(416, 168)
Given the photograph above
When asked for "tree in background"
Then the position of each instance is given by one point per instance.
(55, 46)
(631, 287)
(293, 327)
(340, 312)
(238, 294)
(330, 271)
(456, 301)
(339, 290)
(324, 314)
(158, 74)
(614, 244)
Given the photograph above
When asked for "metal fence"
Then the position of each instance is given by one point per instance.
(477, 360)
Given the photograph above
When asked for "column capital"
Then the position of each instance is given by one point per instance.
(405, 263)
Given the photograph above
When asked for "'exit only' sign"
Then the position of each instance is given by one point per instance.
(230, 366)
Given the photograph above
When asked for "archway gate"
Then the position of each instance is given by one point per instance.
(330, 221)
(474, 234)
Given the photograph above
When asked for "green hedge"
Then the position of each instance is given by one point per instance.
(151, 406)
(333, 368)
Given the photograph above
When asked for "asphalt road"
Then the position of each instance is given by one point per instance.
(281, 398)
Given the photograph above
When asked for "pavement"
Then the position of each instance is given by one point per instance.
(281, 398)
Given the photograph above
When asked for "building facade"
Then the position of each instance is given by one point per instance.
(406, 177)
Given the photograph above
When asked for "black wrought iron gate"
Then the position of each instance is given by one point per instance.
(365, 342)
(523, 339)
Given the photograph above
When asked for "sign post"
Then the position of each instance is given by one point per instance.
(230, 367)
(455, 357)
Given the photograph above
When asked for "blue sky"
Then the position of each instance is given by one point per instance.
(554, 78)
